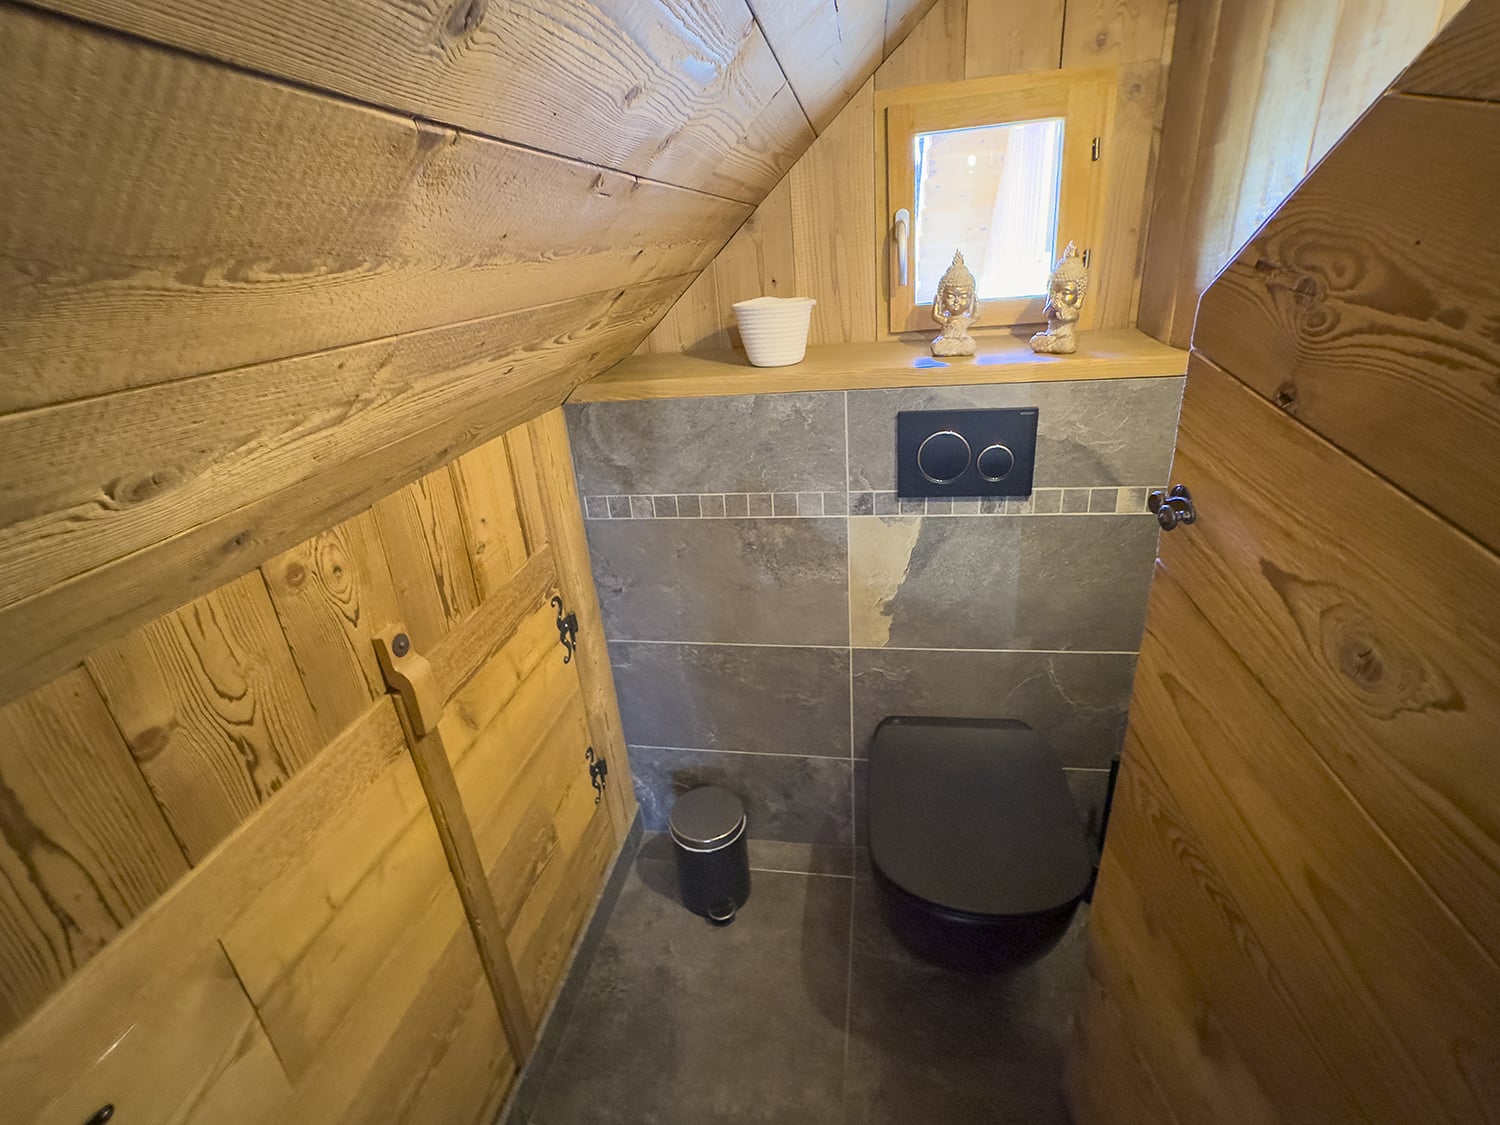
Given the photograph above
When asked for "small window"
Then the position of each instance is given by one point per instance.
(1005, 170)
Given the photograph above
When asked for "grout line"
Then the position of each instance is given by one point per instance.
(885, 648)
(853, 803)
(809, 874)
(753, 753)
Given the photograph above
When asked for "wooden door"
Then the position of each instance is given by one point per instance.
(1298, 910)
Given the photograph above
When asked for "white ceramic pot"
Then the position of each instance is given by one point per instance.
(774, 329)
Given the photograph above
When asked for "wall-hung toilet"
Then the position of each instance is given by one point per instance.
(975, 840)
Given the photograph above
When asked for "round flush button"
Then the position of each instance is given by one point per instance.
(942, 457)
(995, 462)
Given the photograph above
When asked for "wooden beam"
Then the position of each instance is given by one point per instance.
(410, 675)
(311, 442)
(250, 221)
(564, 515)
(599, 82)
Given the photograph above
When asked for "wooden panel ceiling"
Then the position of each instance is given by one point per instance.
(261, 263)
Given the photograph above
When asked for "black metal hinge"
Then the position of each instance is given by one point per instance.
(567, 629)
(598, 772)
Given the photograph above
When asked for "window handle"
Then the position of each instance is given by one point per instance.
(902, 235)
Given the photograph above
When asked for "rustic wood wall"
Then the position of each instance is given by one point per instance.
(214, 838)
(261, 264)
(1259, 92)
(1296, 912)
(818, 235)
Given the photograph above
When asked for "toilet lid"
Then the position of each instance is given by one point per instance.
(975, 815)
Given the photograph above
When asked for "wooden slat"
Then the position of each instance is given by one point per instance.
(1164, 313)
(759, 260)
(932, 52)
(229, 246)
(826, 49)
(1460, 62)
(901, 17)
(462, 653)
(1374, 41)
(697, 320)
(84, 848)
(1117, 33)
(423, 535)
(424, 1049)
(1223, 1049)
(447, 392)
(122, 1014)
(1012, 38)
(306, 946)
(332, 595)
(604, 83)
(1102, 1062)
(833, 190)
(1118, 354)
(194, 1052)
(96, 480)
(211, 706)
(1334, 902)
(564, 516)
(1376, 625)
(486, 491)
(1361, 307)
(1296, 70)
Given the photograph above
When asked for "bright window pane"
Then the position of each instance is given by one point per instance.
(991, 192)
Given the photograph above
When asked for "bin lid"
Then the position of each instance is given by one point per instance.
(975, 815)
(706, 816)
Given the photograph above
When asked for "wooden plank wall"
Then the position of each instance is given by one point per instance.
(1296, 913)
(1260, 90)
(817, 233)
(260, 265)
(215, 838)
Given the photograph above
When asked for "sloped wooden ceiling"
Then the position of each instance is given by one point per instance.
(264, 262)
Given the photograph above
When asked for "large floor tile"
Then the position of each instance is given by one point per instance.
(1033, 582)
(941, 1048)
(682, 1022)
(1079, 702)
(789, 798)
(1090, 432)
(744, 443)
(761, 581)
(778, 700)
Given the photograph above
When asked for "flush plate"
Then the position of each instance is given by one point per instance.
(965, 452)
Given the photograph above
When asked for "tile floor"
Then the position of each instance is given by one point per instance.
(804, 1010)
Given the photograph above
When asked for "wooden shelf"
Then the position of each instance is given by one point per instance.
(1115, 354)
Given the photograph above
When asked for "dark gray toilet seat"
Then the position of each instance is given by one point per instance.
(974, 815)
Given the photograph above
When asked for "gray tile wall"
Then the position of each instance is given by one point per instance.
(768, 598)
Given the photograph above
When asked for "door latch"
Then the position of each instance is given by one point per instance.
(598, 772)
(567, 629)
(1172, 508)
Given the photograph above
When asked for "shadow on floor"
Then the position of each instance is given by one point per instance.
(804, 1010)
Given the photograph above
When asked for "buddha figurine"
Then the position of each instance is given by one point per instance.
(1065, 290)
(955, 307)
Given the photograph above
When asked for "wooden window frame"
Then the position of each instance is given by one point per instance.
(1084, 99)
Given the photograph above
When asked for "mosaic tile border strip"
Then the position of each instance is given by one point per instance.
(1080, 501)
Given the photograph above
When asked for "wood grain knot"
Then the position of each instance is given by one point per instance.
(633, 95)
(128, 491)
(151, 743)
(294, 577)
(1378, 669)
(1286, 397)
(465, 17)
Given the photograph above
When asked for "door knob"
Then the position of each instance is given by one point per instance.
(1172, 508)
